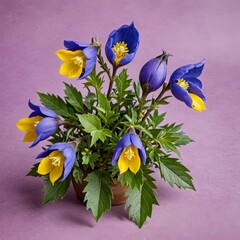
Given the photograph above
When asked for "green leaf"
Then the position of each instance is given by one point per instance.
(132, 180)
(140, 202)
(174, 172)
(56, 104)
(56, 191)
(77, 174)
(122, 84)
(98, 192)
(33, 172)
(103, 102)
(156, 119)
(90, 122)
(94, 80)
(100, 134)
(74, 97)
(90, 99)
(183, 139)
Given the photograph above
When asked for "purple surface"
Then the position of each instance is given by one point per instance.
(31, 31)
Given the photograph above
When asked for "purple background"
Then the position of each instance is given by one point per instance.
(31, 31)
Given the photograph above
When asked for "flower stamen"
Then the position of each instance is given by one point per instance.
(121, 50)
(129, 153)
(183, 83)
(36, 123)
(78, 60)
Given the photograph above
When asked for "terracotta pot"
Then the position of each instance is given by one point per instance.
(117, 189)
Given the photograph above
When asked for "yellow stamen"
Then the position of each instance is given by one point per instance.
(129, 153)
(121, 50)
(36, 123)
(183, 83)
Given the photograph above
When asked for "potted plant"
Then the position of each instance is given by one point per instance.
(109, 142)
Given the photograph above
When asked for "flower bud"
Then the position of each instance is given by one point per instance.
(153, 73)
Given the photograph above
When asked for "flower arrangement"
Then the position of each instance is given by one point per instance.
(114, 136)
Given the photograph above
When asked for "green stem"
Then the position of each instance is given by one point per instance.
(165, 89)
(111, 81)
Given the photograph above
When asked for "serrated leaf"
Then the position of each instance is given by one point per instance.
(90, 122)
(100, 134)
(56, 191)
(175, 173)
(98, 192)
(140, 202)
(156, 119)
(74, 97)
(122, 84)
(182, 140)
(57, 104)
(33, 172)
(132, 180)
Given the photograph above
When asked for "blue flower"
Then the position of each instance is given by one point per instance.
(58, 160)
(122, 45)
(186, 86)
(41, 124)
(153, 73)
(79, 59)
(129, 153)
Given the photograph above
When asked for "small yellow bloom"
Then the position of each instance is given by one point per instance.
(28, 125)
(129, 159)
(74, 62)
(52, 164)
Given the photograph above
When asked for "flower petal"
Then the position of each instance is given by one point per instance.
(74, 45)
(194, 81)
(70, 157)
(56, 173)
(30, 136)
(123, 163)
(197, 103)
(27, 124)
(135, 163)
(181, 94)
(196, 90)
(188, 71)
(45, 166)
(66, 67)
(65, 55)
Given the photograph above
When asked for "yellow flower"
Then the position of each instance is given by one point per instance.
(79, 59)
(52, 164)
(29, 125)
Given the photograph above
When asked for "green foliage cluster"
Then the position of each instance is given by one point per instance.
(96, 123)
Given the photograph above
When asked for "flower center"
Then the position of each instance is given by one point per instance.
(121, 50)
(183, 83)
(57, 158)
(129, 153)
(36, 123)
(78, 60)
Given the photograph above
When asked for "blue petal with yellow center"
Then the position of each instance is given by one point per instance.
(186, 86)
(41, 124)
(122, 45)
(79, 59)
(129, 153)
(58, 160)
